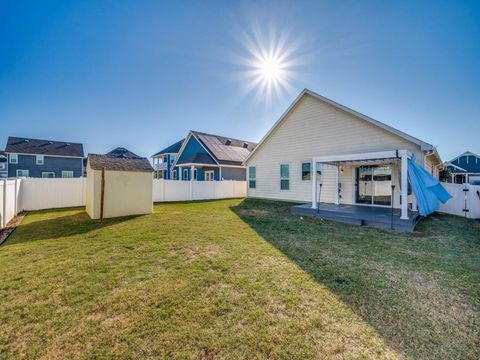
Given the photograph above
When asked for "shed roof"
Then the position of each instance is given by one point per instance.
(43, 147)
(98, 162)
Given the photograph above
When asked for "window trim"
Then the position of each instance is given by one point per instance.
(3, 166)
(212, 172)
(67, 171)
(28, 172)
(11, 157)
(282, 178)
(174, 174)
(185, 177)
(252, 179)
(318, 170)
(37, 158)
(48, 172)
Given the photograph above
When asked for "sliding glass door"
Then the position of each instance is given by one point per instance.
(374, 185)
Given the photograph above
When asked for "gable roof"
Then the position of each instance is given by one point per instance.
(98, 162)
(43, 147)
(172, 149)
(473, 165)
(423, 145)
(121, 152)
(224, 150)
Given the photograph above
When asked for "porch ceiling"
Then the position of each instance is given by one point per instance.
(362, 162)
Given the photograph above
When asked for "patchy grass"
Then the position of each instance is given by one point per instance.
(233, 279)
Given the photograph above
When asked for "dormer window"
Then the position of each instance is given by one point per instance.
(228, 142)
(245, 145)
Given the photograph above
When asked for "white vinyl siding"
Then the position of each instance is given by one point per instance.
(315, 128)
(39, 160)
(67, 174)
(13, 158)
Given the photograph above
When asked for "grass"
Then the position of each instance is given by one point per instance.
(237, 279)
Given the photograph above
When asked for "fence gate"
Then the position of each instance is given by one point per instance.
(465, 200)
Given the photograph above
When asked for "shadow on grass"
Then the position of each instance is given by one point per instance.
(51, 226)
(402, 284)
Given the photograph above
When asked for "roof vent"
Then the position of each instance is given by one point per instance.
(26, 140)
(245, 145)
(228, 142)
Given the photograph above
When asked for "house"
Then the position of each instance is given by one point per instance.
(465, 168)
(163, 160)
(322, 152)
(207, 157)
(43, 158)
(121, 152)
(118, 186)
(3, 165)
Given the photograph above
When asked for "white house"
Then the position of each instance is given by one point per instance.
(357, 159)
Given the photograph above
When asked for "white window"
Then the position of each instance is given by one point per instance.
(185, 174)
(307, 170)
(284, 177)
(22, 173)
(39, 159)
(252, 177)
(48, 174)
(13, 158)
(67, 174)
(209, 175)
(174, 174)
(2, 166)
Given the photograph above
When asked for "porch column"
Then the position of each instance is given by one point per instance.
(337, 181)
(314, 185)
(404, 184)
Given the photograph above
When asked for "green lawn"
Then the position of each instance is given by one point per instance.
(237, 279)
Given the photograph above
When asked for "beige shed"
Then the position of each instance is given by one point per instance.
(118, 186)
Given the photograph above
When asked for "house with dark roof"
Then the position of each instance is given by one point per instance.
(163, 160)
(211, 157)
(122, 153)
(465, 168)
(43, 158)
(3, 165)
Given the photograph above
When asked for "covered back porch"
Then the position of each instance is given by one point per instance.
(363, 188)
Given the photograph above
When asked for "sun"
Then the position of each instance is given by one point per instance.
(269, 64)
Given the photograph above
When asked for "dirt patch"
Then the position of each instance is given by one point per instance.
(255, 213)
(12, 224)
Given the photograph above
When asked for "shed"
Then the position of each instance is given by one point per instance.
(118, 186)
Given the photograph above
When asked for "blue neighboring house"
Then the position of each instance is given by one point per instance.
(207, 157)
(44, 158)
(163, 160)
(465, 168)
(3, 165)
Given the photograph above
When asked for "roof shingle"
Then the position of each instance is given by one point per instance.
(98, 162)
(43, 147)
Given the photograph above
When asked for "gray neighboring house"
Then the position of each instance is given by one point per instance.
(44, 158)
(3, 165)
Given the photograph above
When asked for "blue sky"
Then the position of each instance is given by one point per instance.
(140, 74)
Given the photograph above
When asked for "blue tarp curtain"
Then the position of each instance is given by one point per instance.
(427, 189)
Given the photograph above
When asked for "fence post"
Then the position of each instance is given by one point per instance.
(15, 199)
(4, 204)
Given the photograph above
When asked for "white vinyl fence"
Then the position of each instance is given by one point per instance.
(40, 194)
(10, 202)
(465, 200)
(177, 190)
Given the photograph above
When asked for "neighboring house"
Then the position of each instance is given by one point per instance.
(122, 153)
(3, 165)
(356, 159)
(464, 168)
(207, 157)
(163, 160)
(43, 158)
